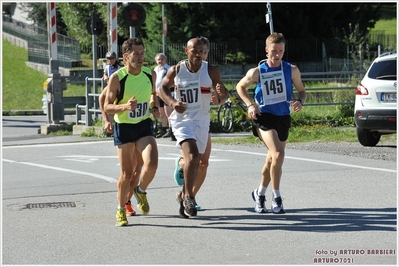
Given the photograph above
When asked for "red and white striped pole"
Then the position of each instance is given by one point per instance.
(53, 31)
(113, 32)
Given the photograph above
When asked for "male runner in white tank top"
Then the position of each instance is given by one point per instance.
(193, 80)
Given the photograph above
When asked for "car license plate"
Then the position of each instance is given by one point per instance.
(391, 97)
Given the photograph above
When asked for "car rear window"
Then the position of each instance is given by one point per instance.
(385, 70)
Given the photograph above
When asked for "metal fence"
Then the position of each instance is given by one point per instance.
(91, 110)
(38, 51)
(298, 51)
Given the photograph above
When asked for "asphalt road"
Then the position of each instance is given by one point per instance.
(59, 204)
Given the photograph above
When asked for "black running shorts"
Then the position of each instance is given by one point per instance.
(127, 132)
(268, 121)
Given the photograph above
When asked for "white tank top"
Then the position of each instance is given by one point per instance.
(195, 90)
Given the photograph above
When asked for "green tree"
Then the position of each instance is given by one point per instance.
(217, 21)
(323, 20)
(221, 21)
(37, 12)
(76, 15)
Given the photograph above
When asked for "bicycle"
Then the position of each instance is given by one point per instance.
(225, 112)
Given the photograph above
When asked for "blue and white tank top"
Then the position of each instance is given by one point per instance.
(274, 89)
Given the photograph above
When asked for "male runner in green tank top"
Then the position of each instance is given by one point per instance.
(131, 96)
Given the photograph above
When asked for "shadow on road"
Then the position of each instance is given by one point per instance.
(300, 220)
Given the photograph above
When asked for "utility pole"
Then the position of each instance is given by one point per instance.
(269, 18)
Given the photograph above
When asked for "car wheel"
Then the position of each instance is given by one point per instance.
(367, 138)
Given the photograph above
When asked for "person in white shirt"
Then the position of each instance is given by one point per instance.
(161, 69)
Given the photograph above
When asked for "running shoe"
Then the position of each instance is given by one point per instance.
(260, 202)
(172, 137)
(178, 175)
(142, 203)
(121, 218)
(129, 209)
(189, 207)
(179, 200)
(167, 134)
(197, 207)
(277, 205)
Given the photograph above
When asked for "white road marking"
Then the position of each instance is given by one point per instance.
(319, 161)
(90, 159)
(108, 179)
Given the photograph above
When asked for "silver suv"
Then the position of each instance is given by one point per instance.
(375, 103)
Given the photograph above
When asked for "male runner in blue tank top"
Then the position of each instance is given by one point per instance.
(131, 96)
(271, 114)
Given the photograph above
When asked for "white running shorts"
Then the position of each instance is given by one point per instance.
(194, 129)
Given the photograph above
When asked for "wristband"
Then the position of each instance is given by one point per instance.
(253, 104)
(300, 100)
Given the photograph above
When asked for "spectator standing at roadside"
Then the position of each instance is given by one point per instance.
(193, 80)
(271, 114)
(131, 96)
(161, 69)
(111, 67)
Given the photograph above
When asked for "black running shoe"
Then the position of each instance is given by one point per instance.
(189, 207)
(179, 200)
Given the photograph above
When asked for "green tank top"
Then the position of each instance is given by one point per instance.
(139, 86)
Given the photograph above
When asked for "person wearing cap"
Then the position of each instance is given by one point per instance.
(112, 65)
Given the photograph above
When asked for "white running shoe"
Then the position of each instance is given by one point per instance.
(277, 205)
(260, 206)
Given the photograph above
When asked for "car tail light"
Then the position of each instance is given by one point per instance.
(361, 90)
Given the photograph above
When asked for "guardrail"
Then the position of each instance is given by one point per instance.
(90, 106)
(310, 91)
(311, 76)
(72, 101)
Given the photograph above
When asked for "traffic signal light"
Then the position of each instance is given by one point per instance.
(134, 15)
(94, 25)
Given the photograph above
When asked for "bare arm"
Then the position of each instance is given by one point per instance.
(217, 84)
(107, 121)
(165, 94)
(252, 76)
(105, 75)
(154, 103)
(297, 82)
(111, 94)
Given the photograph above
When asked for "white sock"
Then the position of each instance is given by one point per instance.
(276, 193)
(121, 208)
(141, 190)
(261, 190)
